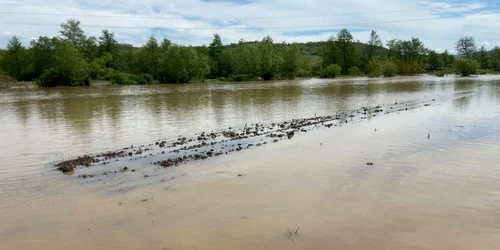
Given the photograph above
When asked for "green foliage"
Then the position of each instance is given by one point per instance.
(5, 78)
(447, 59)
(354, 71)
(55, 77)
(411, 67)
(16, 60)
(122, 78)
(495, 58)
(43, 51)
(269, 60)
(386, 68)
(466, 66)
(439, 73)
(482, 58)
(215, 53)
(291, 61)
(183, 64)
(434, 61)
(70, 70)
(331, 71)
(73, 59)
(71, 32)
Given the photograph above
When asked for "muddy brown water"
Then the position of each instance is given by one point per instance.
(434, 182)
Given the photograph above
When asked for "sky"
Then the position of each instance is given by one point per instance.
(438, 23)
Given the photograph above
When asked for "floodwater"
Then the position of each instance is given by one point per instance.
(434, 182)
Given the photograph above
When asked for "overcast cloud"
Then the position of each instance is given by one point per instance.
(192, 22)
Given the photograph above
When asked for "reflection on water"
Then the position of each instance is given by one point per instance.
(437, 193)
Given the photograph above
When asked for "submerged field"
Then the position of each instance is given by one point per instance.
(404, 163)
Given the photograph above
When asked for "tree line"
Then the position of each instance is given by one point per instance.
(72, 58)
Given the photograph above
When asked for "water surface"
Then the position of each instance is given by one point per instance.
(440, 192)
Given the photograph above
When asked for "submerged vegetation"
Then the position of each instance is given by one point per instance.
(72, 59)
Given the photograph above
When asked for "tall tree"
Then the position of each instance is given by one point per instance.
(14, 60)
(165, 44)
(434, 61)
(107, 43)
(466, 46)
(447, 59)
(291, 61)
(495, 58)
(374, 46)
(43, 49)
(71, 32)
(346, 45)
(482, 57)
(330, 52)
(269, 61)
(215, 52)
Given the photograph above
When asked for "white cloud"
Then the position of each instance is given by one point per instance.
(316, 14)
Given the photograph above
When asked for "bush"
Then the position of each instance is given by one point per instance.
(303, 73)
(410, 68)
(354, 71)
(56, 77)
(482, 72)
(389, 69)
(242, 77)
(331, 71)
(4, 77)
(439, 73)
(386, 68)
(466, 67)
(122, 78)
(145, 79)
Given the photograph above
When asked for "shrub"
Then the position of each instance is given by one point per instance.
(354, 71)
(56, 77)
(4, 77)
(145, 79)
(303, 73)
(466, 67)
(242, 77)
(386, 68)
(122, 78)
(331, 71)
(410, 68)
(439, 73)
(389, 69)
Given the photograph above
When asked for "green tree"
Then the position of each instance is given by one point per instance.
(15, 59)
(107, 43)
(495, 58)
(269, 61)
(71, 32)
(330, 52)
(146, 60)
(374, 45)
(43, 49)
(447, 59)
(466, 66)
(291, 61)
(482, 57)
(215, 53)
(346, 46)
(71, 68)
(466, 46)
(165, 44)
(183, 64)
(434, 61)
